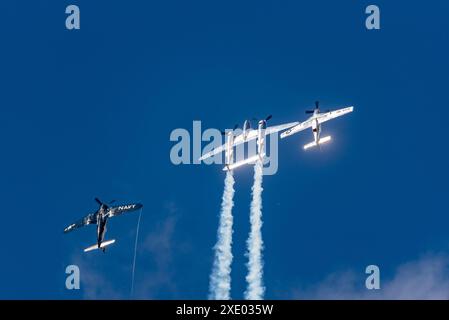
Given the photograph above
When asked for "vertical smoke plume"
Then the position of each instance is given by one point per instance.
(135, 254)
(220, 279)
(255, 289)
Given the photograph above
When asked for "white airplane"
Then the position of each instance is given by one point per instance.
(315, 122)
(248, 134)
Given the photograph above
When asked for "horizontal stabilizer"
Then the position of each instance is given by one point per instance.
(314, 144)
(250, 160)
(103, 245)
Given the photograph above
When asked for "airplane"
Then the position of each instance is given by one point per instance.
(315, 122)
(100, 218)
(247, 134)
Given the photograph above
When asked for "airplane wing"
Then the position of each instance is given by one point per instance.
(250, 136)
(89, 219)
(299, 127)
(334, 114)
(237, 140)
(281, 127)
(118, 210)
(213, 152)
(250, 160)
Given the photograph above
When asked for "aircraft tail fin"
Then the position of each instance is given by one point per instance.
(314, 144)
(104, 244)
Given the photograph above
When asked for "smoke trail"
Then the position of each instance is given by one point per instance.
(255, 289)
(220, 278)
(135, 254)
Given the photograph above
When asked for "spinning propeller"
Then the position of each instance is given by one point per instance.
(104, 204)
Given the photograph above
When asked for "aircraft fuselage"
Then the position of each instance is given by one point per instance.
(102, 219)
(261, 138)
(229, 148)
(316, 129)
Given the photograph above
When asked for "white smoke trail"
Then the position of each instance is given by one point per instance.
(255, 289)
(220, 279)
(135, 254)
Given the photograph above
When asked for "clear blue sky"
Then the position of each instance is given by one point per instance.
(89, 113)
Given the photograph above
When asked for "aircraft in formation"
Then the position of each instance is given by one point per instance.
(100, 218)
(248, 134)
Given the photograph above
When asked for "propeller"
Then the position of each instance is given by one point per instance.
(266, 119)
(103, 204)
(317, 107)
(253, 119)
(223, 133)
(317, 103)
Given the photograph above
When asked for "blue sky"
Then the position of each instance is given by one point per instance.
(89, 113)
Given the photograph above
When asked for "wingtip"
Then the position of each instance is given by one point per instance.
(68, 229)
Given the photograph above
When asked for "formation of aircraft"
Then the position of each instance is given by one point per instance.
(106, 210)
(100, 218)
(248, 134)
